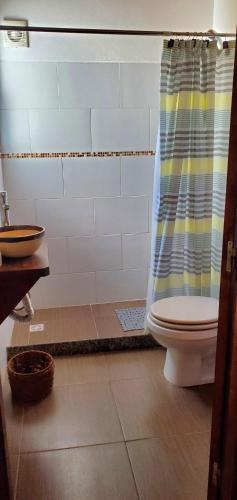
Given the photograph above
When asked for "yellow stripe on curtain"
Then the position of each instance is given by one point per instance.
(193, 165)
(195, 100)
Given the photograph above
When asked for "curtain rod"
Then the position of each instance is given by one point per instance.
(98, 31)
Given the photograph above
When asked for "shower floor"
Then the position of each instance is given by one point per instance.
(64, 324)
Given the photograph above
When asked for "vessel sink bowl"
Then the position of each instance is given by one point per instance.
(20, 241)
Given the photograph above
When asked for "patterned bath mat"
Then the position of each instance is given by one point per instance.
(132, 318)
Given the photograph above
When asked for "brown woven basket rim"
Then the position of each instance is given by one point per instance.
(19, 374)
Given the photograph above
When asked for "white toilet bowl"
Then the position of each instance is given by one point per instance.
(187, 327)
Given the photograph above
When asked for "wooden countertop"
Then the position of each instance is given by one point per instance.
(37, 264)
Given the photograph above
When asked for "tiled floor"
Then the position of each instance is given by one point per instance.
(112, 429)
(75, 323)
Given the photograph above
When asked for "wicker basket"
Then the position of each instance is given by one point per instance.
(31, 376)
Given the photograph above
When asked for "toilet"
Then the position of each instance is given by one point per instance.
(187, 327)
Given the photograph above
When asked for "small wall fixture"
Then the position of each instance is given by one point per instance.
(15, 39)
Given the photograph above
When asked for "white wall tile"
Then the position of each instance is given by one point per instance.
(22, 212)
(154, 121)
(66, 217)
(59, 131)
(64, 290)
(92, 85)
(136, 250)
(91, 177)
(120, 129)
(28, 85)
(95, 253)
(137, 175)
(121, 215)
(58, 255)
(121, 285)
(14, 131)
(33, 178)
(139, 85)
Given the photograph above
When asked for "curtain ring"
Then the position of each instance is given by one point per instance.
(217, 38)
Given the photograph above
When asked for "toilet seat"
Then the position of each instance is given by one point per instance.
(181, 334)
(186, 311)
(179, 326)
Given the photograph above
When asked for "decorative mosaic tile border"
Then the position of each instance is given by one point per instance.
(92, 346)
(77, 154)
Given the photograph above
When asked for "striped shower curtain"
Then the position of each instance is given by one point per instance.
(191, 165)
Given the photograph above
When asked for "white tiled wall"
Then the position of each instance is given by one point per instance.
(136, 250)
(137, 175)
(22, 211)
(96, 209)
(63, 130)
(137, 85)
(66, 217)
(125, 283)
(64, 290)
(78, 106)
(15, 131)
(29, 86)
(88, 85)
(120, 129)
(91, 177)
(96, 253)
(34, 178)
(121, 215)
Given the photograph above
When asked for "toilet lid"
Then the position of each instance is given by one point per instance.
(184, 327)
(186, 310)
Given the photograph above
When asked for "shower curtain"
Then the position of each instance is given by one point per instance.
(191, 165)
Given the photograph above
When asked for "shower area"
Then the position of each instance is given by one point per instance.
(78, 142)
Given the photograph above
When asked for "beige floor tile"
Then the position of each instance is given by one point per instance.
(13, 418)
(153, 361)
(20, 334)
(90, 473)
(125, 365)
(100, 367)
(14, 461)
(194, 403)
(172, 468)
(80, 369)
(108, 309)
(151, 410)
(197, 400)
(73, 415)
(109, 327)
(64, 324)
(107, 322)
